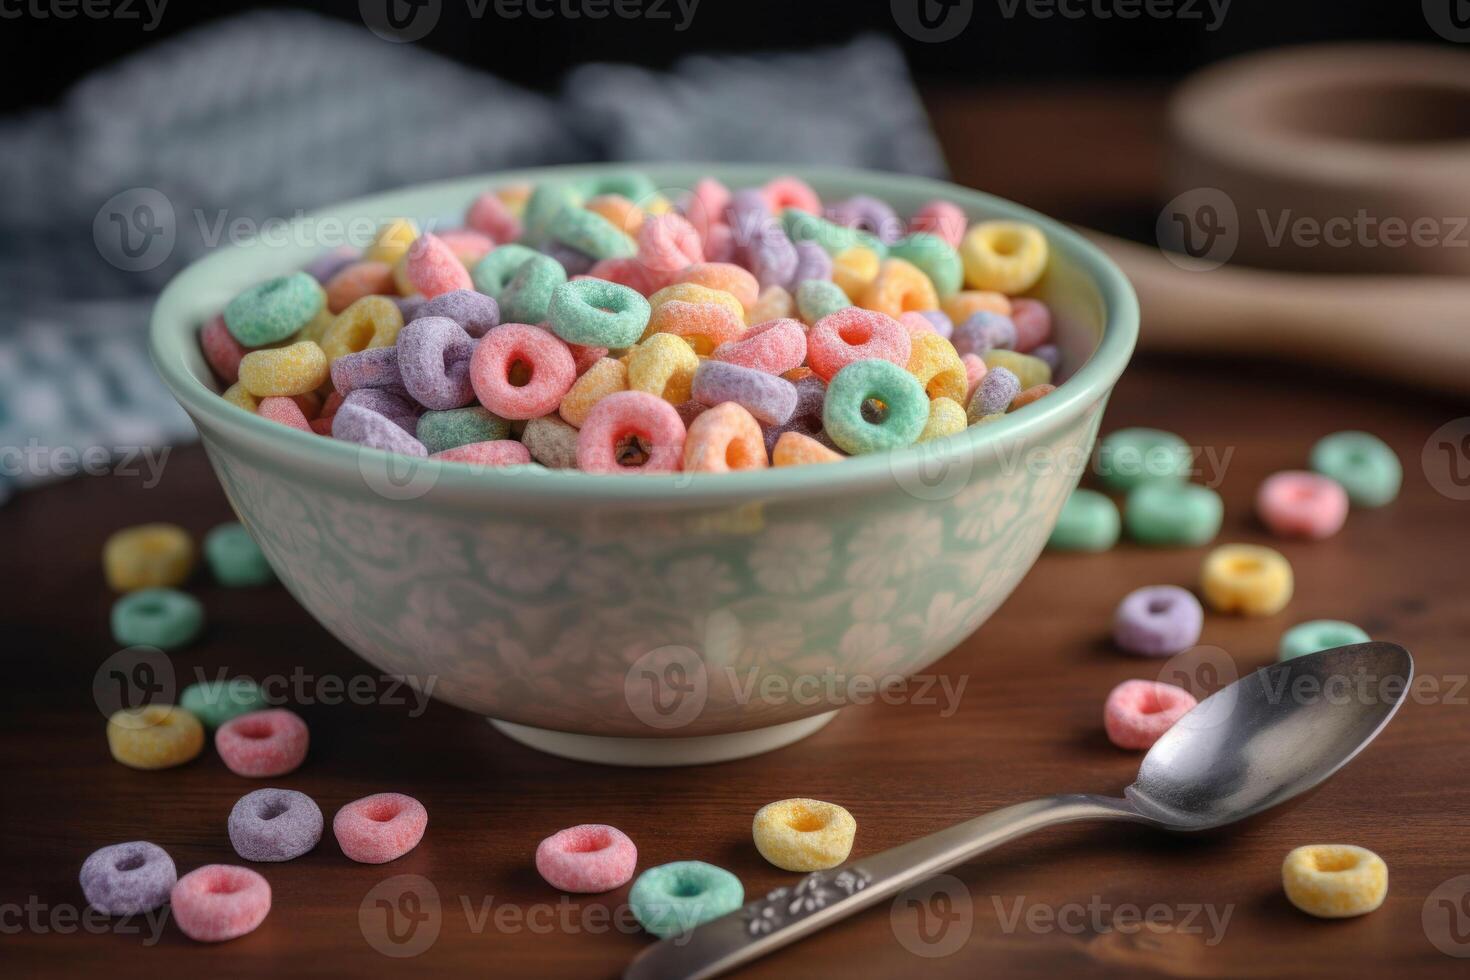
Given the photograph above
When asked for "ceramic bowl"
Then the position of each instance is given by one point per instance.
(654, 619)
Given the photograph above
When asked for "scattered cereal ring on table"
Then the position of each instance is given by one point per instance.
(380, 828)
(1334, 881)
(803, 835)
(273, 310)
(631, 432)
(587, 859)
(128, 879)
(1005, 256)
(596, 313)
(274, 825)
(725, 438)
(1158, 621)
(1299, 504)
(797, 449)
(1138, 713)
(158, 736)
(1364, 464)
(219, 902)
(1164, 513)
(1089, 521)
(552, 371)
(1246, 579)
(218, 701)
(147, 556)
(673, 898)
(163, 618)
(264, 743)
(1316, 635)
(292, 370)
(848, 415)
(1128, 457)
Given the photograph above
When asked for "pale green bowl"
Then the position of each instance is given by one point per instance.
(655, 619)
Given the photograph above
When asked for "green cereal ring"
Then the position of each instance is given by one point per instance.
(456, 427)
(273, 310)
(802, 226)
(1367, 469)
(815, 298)
(163, 618)
(591, 234)
(1161, 512)
(1089, 522)
(598, 313)
(234, 557)
(674, 898)
(1129, 457)
(633, 185)
(1031, 371)
(846, 410)
(545, 202)
(495, 271)
(216, 702)
(1318, 634)
(935, 258)
(528, 296)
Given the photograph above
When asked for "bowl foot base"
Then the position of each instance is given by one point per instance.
(693, 751)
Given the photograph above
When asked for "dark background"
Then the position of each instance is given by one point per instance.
(43, 56)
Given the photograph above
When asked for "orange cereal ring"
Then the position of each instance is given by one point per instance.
(705, 326)
(967, 302)
(774, 303)
(724, 438)
(1031, 394)
(689, 292)
(901, 286)
(358, 280)
(795, 449)
(618, 211)
(725, 276)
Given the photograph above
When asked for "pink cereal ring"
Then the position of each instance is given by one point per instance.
(587, 858)
(550, 364)
(262, 743)
(915, 322)
(1032, 319)
(719, 243)
(668, 244)
(631, 414)
(941, 218)
(705, 207)
(974, 373)
(279, 408)
(1298, 504)
(1138, 713)
(855, 334)
(221, 350)
(219, 902)
(625, 272)
(433, 268)
(379, 828)
(468, 245)
(497, 452)
(489, 216)
(791, 192)
(775, 347)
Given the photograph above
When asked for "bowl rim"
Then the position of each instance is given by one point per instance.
(308, 451)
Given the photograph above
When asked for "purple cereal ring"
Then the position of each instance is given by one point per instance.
(749, 218)
(409, 306)
(376, 367)
(274, 825)
(943, 325)
(328, 264)
(473, 311)
(1049, 354)
(775, 347)
(1158, 621)
(126, 879)
(868, 214)
(574, 262)
(355, 423)
(984, 331)
(772, 257)
(394, 403)
(769, 397)
(812, 262)
(434, 358)
(996, 391)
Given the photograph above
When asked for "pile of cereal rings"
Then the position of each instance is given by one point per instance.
(598, 325)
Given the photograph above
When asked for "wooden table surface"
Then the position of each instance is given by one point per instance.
(1065, 902)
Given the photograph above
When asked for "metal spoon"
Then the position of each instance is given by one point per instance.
(1266, 738)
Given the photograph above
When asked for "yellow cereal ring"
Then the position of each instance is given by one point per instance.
(1247, 579)
(967, 302)
(795, 449)
(900, 287)
(619, 212)
(937, 365)
(1006, 256)
(373, 321)
(148, 556)
(692, 292)
(154, 737)
(1031, 371)
(803, 835)
(514, 197)
(401, 282)
(392, 241)
(293, 370)
(603, 378)
(947, 417)
(236, 394)
(854, 269)
(774, 303)
(658, 204)
(317, 328)
(1334, 881)
(663, 365)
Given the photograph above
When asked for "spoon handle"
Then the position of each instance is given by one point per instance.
(823, 897)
